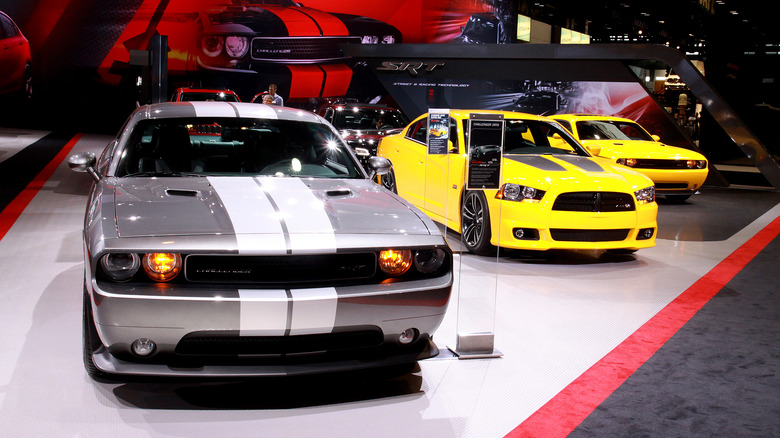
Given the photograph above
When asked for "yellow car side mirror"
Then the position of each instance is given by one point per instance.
(655, 137)
(593, 149)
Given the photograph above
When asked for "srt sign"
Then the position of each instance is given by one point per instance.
(412, 67)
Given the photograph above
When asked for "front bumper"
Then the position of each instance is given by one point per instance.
(673, 181)
(167, 313)
(540, 217)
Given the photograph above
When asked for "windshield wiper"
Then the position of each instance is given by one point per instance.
(163, 173)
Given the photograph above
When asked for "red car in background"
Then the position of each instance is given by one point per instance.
(203, 95)
(15, 59)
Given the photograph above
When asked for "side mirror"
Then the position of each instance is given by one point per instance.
(557, 136)
(84, 162)
(655, 137)
(379, 165)
(593, 149)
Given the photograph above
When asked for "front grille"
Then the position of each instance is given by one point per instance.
(594, 202)
(288, 269)
(662, 186)
(571, 235)
(646, 163)
(228, 344)
(299, 49)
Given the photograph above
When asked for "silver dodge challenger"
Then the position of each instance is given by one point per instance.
(229, 239)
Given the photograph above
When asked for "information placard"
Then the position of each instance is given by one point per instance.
(486, 143)
(438, 132)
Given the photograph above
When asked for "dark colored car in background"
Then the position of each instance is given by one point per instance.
(15, 59)
(480, 29)
(362, 125)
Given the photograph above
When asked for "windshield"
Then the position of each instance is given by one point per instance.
(611, 130)
(368, 118)
(235, 146)
(204, 96)
(536, 137)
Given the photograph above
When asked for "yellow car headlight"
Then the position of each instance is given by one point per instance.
(162, 266)
(646, 195)
(630, 162)
(516, 192)
(696, 164)
(395, 262)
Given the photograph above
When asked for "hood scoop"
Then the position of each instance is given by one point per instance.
(184, 193)
(339, 193)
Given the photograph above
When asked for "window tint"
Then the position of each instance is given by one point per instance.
(611, 130)
(229, 146)
(418, 131)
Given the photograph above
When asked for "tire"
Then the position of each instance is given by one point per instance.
(388, 181)
(677, 199)
(90, 339)
(475, 223)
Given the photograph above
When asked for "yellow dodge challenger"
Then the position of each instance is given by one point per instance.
(676, 172)
(549, 193)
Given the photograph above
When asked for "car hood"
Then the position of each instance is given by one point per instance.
(187, 206)
(571, 173)
(642, 149)
(274, 20)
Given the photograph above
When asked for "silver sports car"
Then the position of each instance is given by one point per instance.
(229, 239)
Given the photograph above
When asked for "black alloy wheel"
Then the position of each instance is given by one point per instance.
(475, 223)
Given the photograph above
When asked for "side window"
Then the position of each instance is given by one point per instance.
(566, 125)
(418, 131)
(454, 135)
(6, 28)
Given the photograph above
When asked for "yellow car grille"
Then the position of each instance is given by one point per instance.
(594, 202)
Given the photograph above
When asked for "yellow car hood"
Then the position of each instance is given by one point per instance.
(571, 173)
(642, 149)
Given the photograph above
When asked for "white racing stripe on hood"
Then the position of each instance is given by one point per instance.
(304, 215)
(255, 221)
(215, 109)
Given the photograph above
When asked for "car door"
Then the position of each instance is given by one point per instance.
(408, 155)
(13, 58)
(442, 175)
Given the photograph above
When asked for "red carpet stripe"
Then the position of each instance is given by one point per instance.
(14, 209)
(564, 412)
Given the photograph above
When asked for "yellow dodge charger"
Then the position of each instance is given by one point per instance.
(677, 172)
(549, 193)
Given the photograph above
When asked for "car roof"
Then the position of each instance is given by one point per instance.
(223, 109)
(578, 117)
(464, 113)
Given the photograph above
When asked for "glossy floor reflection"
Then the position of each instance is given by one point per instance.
(553, 316)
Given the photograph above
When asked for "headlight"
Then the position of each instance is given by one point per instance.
(236, 46)
(516, 192)
(696, 164)
(120, 266)
(630, 162)
(429, 261)
(395, 262)
(646, 195)
(162, 266)
(212, 45)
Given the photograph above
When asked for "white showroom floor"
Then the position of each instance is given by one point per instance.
(555, 316)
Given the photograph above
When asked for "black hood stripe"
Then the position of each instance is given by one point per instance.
(538, 162)
(583, 163)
